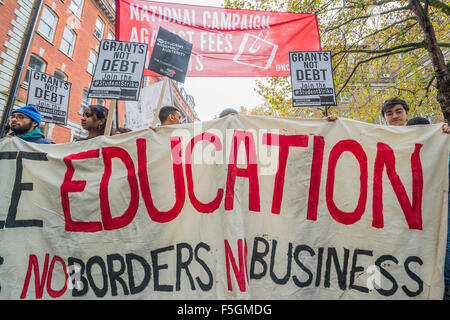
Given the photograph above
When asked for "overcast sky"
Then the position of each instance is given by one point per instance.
(214, 94)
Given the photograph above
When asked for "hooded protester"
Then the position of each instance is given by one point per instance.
(24, 123)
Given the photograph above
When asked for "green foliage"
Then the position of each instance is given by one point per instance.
(378, 53)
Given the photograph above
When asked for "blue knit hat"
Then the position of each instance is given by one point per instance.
(31, 112)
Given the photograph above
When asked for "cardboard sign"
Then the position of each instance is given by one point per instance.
(170, 56)
(242, 207)
(312, 79)
(119, 69)
(226, 42)
(50, 96)
(140, 114)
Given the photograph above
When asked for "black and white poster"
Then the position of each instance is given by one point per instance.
(312, 79)
(170, 56)
(119, 69)
(50, 96)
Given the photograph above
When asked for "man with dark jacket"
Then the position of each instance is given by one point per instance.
(24, 124)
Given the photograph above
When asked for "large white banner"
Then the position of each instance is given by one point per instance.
(244, 207)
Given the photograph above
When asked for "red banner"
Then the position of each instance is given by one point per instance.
(226, 42)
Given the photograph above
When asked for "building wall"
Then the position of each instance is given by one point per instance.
(75, 67)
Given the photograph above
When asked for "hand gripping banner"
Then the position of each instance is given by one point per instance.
(244, 207)
(226, 42)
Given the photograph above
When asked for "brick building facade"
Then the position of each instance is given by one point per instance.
(65, 45)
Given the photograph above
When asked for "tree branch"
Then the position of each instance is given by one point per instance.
(366, 17)
(438, 5)
(388, 27)
(368, 60)
(413, 46)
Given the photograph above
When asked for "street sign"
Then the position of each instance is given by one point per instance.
(50, 96)
(170, 56)
(312, 79)
(119, 69)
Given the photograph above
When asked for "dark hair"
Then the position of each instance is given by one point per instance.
(100, 112)
(227, 111)
(392, 102)
(165, 111)
(121, 130)
(417, 120)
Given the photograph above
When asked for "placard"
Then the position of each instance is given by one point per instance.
(140, 114)
(312, 79)
(50, 96)
(170, 56)
(119, 69)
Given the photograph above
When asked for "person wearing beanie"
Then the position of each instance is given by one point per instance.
(228, 111)
(24, 123)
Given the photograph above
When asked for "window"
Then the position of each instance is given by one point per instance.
(76, 6)
(35, 63)
(60, 75)
(68, 41)
(92, 62)
(48, 23)
(111, 35)
(85, 101)
(99, 27)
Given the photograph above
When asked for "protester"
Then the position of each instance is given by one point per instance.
(169, 115)
(24, 123)
(94, 121)
(228, 111)
(395, 112)
(417, 120)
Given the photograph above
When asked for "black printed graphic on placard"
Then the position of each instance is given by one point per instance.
(170, 56)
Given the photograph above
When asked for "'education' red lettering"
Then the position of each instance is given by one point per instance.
(154, 213)
(251, 172)
(413, 213)
(284, 142)
(356, 149)
(200, 206)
